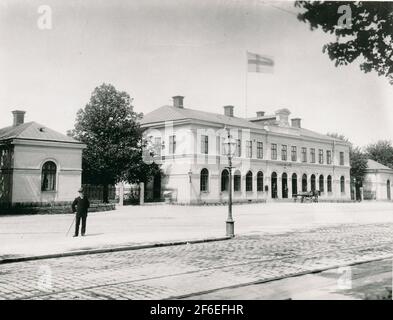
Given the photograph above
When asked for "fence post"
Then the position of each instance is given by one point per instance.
(141, 193)
(121, 193)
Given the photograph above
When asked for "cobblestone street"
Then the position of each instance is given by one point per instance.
(186, 270)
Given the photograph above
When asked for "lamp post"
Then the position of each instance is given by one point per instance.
(230, 148)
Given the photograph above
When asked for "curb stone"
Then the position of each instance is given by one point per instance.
(108, 250)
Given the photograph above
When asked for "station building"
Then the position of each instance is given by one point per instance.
(275, 157)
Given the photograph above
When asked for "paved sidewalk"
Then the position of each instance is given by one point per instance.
(135, 225)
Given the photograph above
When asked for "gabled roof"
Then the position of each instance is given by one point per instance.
(171, 113)
(374, 165)
(34, 131)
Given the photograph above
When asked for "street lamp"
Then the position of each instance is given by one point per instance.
(230, 149)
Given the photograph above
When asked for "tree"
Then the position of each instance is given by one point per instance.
(109, 127)
(363, 31)
(382, 152)
(358, 160)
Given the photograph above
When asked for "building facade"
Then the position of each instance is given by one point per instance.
(378, 182)
(274, 159)
(37, 164)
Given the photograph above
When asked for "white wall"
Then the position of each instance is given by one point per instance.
(28, 161)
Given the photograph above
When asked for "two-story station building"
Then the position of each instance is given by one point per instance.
(274, 158)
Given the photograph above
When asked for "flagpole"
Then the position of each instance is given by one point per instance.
(245, 100)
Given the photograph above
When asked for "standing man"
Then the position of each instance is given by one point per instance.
(80, 206)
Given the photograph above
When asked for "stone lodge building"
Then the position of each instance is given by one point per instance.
(274, 159)
(37, 165)
(378, 180)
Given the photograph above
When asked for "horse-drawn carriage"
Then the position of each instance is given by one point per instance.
(311, 196)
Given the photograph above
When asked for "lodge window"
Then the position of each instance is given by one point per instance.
(225, 180)
(304, 154)
(341, 158)
(249, 181)
(204, 144)
(284, 152)
(312, 154)
(249, 149)
(48, 176)
(293, 153)
(328, 157)
(329, 183)
(274, 151)
(260, 150)
(342, 184)
(237, 181)
(172, 144)
(320, 158)
(204, 187)
(238, 148)
(260, 181)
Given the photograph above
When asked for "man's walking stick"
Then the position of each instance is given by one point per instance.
(73, 220)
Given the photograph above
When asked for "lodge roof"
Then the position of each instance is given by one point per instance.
(34, 131)
(374, 165)
(172, 113)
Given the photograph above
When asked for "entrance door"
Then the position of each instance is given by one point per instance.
(274, 185)
(157, 187)
(313, 187)
(284, 184)
(388, 190)
(294, 183)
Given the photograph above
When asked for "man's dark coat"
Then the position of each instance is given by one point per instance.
(80, 206)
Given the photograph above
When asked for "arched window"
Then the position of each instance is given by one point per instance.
(329, 183)
(237, 181)
(294, 183)
(342, 184)
(260, 181)
(274, 185)
(204, 180)
(304, 183)
(224, 180)
(284, 185)
(249, 181)
(313, 182)
(321, 183)
(48, 176)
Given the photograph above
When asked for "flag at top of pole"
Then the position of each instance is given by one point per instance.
(259, 63)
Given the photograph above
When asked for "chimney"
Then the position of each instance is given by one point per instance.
(260, 113)
(19, 117)
(282, 117)
(178, 101)
(296, 122)
(228, 111)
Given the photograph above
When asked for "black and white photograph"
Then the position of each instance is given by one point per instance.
(210, 152)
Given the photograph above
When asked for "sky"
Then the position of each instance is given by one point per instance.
(156, 49)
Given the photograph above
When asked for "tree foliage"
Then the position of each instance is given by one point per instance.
(382, 152)
(109, 127)
(368, 39)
